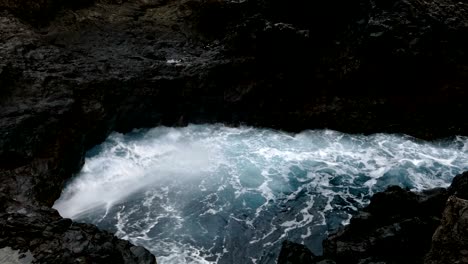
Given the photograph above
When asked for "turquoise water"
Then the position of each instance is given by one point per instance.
(215, 194)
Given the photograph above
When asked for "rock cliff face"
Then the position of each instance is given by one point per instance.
(72, 71)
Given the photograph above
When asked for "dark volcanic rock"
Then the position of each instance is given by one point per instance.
(293, 253)
(398, 227)
(111, 66)
(393, 222)
(450, 240)
(73, 71)
(52, 239)
(459, 186)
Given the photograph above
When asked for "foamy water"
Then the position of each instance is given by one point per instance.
(214, 194)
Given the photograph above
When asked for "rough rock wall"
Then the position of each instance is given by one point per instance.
(72, 71)
(114, 66)
(450, 240)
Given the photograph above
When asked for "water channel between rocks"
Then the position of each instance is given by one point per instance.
(215, 194)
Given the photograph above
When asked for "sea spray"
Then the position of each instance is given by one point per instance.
(215, 194)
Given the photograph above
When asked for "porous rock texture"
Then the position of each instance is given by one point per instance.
(73, 71)
(48, 238)
(450, 241)
(397, 227)
(293, 253)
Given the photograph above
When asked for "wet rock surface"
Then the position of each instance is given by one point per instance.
(73, 71)
(450, 240)
(7, 255)
(400, 226)
(42, 236)
(293, 253)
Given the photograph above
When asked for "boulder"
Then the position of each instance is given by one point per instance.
(400, 226)
(293, 253)
(450, 240)
(42, 235)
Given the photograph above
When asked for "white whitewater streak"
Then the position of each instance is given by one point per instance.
(123, 169)
(169, 188)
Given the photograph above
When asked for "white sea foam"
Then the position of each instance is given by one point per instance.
(210, 193)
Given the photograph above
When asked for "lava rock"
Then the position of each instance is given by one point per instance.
(450, 240)
(400, 226)
(73, 71)
(459, 186)
(293, 253)
(50, 239)
(394, 221)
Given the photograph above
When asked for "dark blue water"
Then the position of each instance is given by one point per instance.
(213, 194)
